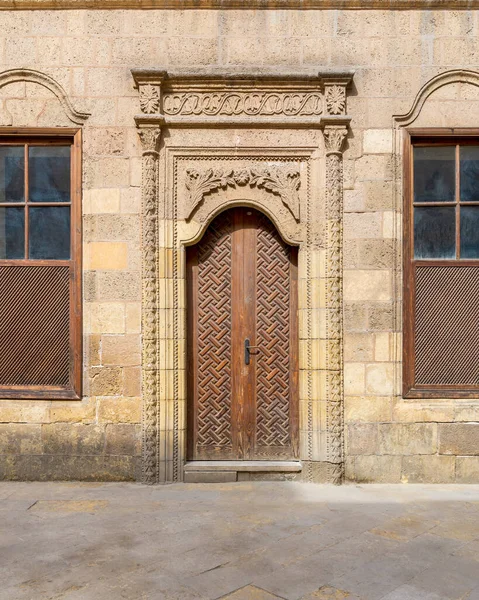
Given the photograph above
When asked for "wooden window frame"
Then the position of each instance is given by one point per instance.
(433, 136)
(58, 136)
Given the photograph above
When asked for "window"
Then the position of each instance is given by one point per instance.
(40, 262)
(441, 264)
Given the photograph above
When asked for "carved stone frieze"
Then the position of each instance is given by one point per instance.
(282, 181)
(243, 103)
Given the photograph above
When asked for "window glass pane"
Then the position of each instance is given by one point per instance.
(469, 157)
(49, 232)
(49, 173)
(469, 232)
(12, 173)
(434, 232)
(12, 232)
(434, 174)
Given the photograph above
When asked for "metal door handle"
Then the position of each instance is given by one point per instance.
(247, 348)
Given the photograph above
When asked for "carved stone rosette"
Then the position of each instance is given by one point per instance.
(149, 139)
(334, 136)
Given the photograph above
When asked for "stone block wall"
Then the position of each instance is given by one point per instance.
(90, 54)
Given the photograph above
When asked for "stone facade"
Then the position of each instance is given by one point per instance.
(148, 135)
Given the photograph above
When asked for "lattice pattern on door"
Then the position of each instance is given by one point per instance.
(446, 329)
(37, 355)
(273, 333)
(214, 335)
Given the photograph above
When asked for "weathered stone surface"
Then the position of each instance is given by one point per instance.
(467, 469)
(362, 439)
(431, 469)
(20, 438)
(406, 439)
(105, 381)
(119, 410)
(72, 439)
(459, 438)
(121, 439)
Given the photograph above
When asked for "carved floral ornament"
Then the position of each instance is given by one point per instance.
(335, 99)
(284, 182)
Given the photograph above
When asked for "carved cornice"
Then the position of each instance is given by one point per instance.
(284, 182)
(198, 98)
(240, 4)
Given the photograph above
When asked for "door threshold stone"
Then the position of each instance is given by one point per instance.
(225, 471)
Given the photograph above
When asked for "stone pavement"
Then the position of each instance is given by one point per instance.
(239, 541)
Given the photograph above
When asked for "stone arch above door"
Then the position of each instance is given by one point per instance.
(274, 142)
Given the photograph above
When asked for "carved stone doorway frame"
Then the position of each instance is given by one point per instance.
(272, 141)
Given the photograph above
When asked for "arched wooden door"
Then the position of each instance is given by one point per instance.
(242, 341)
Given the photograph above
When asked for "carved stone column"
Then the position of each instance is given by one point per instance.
(334, 136)
(150, 139)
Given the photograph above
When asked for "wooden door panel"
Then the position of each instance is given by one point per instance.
(242, 285)
(210, 268)
(275, 356)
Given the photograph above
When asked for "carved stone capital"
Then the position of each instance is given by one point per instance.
(150, 138)
(334, 136)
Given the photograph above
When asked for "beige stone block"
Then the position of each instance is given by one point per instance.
(101, 201)
(408, 439)
(372, 167)
(467, 469)
(273, 51)
(122, 439)
(103, 22)
(382, 347)
(377, 469)
(362, 438)
(204, 51)
(466, 412)
(428, 469)
(103, 256)
(459, 438)
(16, 438)
(142, 23)
(317, 53)
(378, 195)
(377, 141)
(105, 141)
(107, 172)
(380, 378)
(106, 317)
(73, 411)
(119, 410)
(105, 381)
(311, 24)
(380, 317)
(121, 350)
(354, 201)
(133, 317)
(20, 46)
(130, 200)
(49, 50)
(24, 411)
(354, 379)
(117, 285)
(407, 411)
(367, 286)
(389, 225)
(91, 350)
(132, 381)
(358, 347)
(355, 317)
(367, 409)
(72, 438)
(362, 225)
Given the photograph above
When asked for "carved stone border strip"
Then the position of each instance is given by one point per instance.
(334, 137)
(239, 4)
(150, 139)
